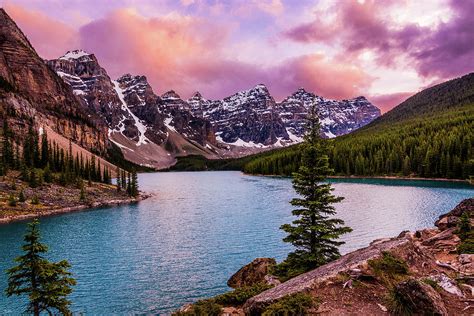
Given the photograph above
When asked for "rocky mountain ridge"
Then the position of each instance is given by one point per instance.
(246, 122)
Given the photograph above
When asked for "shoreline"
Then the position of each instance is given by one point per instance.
(373, 177)
(71, 209)
(400, 178)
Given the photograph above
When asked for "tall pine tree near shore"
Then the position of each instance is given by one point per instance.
(315, 232)
(46, 283)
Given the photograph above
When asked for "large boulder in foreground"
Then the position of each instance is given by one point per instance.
(451, 219)
(419, 298)
(252, 273)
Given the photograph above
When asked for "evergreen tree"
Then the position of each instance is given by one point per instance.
(134, 184)
(315, 232)
(119, 185)
(46, 283)
(82, 196)
(47, 175)
(464, 226)
(21, 197)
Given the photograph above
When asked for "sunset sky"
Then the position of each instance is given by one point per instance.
(383, 49)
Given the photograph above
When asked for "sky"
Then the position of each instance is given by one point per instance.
(385, 50)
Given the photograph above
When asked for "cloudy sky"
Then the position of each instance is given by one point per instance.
(383, 49)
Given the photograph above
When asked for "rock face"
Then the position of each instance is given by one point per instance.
(252, 118)
(252, 273)
(31, 89)
(148, 129)
(247, 118)
(451, 219)
(420, 298)
(91, 82)
(336, 117)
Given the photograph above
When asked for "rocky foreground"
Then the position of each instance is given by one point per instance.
(422, 272)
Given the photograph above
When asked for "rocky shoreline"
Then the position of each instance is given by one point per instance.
(423, 272)
(81, 207)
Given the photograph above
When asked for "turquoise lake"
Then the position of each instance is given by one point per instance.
(198, 228)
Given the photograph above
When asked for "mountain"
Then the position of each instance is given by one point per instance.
(252, 118)
(75, 96)
(430, 135)
(152, 130)
(31, 93)
(336, 117)
(143, 125)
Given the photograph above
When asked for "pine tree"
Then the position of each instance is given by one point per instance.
(315, 231)
(82, 196)
(464, 226)
(47, 175)
(119, 185)
(46, 283)
(134, 184)
(21, 197)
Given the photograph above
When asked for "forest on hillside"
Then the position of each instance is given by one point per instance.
(437, 146)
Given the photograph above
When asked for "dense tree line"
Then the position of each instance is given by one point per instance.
(432, 146)
(40, 160)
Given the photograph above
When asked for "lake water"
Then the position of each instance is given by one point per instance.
(199, 228)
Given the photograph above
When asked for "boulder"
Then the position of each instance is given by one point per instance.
(451, 219)
(252, 273)
(420, 298)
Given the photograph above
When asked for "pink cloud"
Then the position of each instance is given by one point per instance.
(188, 54)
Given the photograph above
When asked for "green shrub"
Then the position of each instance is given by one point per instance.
(389, 268)
(291, 305)
(35, 200)
(291, 267)
(21, 197)
(398, 304)
(432, 283)
(466, 246)
(464, 226)
(202, 308)
(241, 295)
(11, 200)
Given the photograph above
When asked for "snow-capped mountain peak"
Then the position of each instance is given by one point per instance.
(76, 54)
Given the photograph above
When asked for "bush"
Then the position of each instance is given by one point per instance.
(11, 200)
(466, 246)
(35, 200)
(241, 295)
(291, 267)
(291, 305)
(21, 197)
(398, 304)
(202, 308)
(389, 268)
(464, 226)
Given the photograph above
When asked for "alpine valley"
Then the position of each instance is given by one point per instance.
(152, 130)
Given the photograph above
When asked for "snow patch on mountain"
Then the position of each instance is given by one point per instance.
(142, 139)
(75, 54)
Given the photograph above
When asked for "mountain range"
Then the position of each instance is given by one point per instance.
(76, 98)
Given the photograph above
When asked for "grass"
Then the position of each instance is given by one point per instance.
(432, 283)
(237, 297)
(291, 305)
(398, 304)
(240, 295)
(389, 268)
(202, 308)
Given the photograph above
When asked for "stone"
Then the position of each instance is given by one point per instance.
(450, 219)
(232, 311)
(421, 298)
(252, 273)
